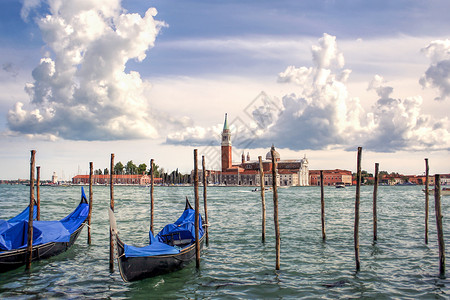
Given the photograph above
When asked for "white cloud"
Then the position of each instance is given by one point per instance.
(80, 89)
(319, 113)
(438, 73)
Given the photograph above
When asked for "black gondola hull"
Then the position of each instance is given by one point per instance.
(137, 268)
(10, 260)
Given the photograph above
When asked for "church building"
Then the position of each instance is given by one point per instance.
(246, 172)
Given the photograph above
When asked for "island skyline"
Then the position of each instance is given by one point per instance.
(143, 81)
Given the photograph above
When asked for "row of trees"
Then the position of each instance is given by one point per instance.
(130, 168)
(367, 178)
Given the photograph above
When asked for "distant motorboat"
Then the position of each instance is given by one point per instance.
(407, 183)
(258, 189)
(340, 185)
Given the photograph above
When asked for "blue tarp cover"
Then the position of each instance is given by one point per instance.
(183, 226)
(24, 215)
(155, 248)
(15, 237)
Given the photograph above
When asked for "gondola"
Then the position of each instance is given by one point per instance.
(50, 238)
(170, 250)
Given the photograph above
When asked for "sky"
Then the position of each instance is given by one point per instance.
(82, 79)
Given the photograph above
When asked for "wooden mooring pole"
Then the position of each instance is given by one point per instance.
(440, 231)
(91, 171)
(275, 209)
(111, 204)
(152, 203)
(29, 256)
(375, 192)
(38, 193)
(205, 206)
(357, 201)
(263, 199)
(427, 199)
(322, 206)
(197, 206)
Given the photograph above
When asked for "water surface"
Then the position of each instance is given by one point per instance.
(236, 264)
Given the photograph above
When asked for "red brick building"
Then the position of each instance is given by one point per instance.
(118, 179)
(330, 177)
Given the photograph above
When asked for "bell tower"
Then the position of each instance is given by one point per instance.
(226, 146)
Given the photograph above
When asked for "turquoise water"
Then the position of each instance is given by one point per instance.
(236, 264)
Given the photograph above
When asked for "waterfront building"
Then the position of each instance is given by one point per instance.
(331, 177)
(290, 172)
(141, 179)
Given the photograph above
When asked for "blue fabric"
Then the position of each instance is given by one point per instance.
(24, 215)
(78, 216)
(15, 237)
(155, 248)
(183, 226)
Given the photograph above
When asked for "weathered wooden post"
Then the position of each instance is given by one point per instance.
(196, 223)
(375, 192)
(38, 193)
(263, 199)
(275, 209)
(29, 256)
(427, 199)
(111, 204)
(440, 231)
(152, 204)
(322, 206)
(91, 170)
(205, 183)
(357, 200)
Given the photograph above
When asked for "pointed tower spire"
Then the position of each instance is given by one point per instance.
(226, 146)
(225, 124)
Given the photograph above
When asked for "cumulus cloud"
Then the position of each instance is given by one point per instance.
(81, 90)
(397, 124)
(319, 113)
(195, 135)
(438, 73)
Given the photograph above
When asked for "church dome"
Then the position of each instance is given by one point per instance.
(269, 154)
(304, 160)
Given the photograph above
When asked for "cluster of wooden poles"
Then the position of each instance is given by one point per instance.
(37, 202)
(437, 199)
(197, 208)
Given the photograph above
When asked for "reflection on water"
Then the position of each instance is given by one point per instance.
(236, 264)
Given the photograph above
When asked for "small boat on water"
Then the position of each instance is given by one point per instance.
(50, 238)
(170, 250)
(444, 192)
(259, 189)
(340, 185)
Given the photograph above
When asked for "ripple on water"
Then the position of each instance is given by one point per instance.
(237, 265)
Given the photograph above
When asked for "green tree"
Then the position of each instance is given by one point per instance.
(161, 172)
(118, 168)
(98, 172)
(156, 171)
(106, 171)
(142, 168)
(130, 168)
